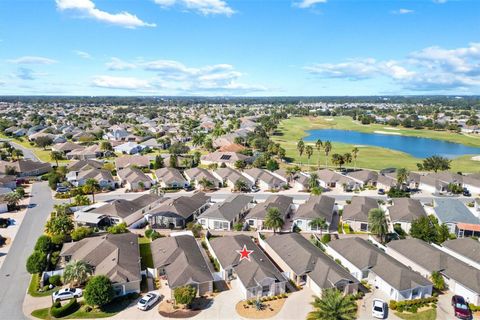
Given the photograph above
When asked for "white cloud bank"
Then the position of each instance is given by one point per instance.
(86, 8)
(127, 83)
(32, 60)
(205, 7)
(430, 69)
(304, 4)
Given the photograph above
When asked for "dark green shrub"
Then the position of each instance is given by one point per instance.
(55, 280)
(59, 311)
(44, 244)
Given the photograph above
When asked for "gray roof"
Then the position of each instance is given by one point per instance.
(453, 211)
(433, 259)
(406, 210)
(359, 208)
(364, 175)
(182, 206)
(319, 207)
(182, 260)
(304, 258)
(170, 175)
(116, 256)
(281, 202)
(84, 164)
(265, 176)
(232, 175)
(200, 173)
(251, 273)
(467, 247)
(133, 175)
(229, 209)
(390, 270)
(329, 176)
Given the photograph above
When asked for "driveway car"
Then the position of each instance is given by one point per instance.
(147, 301)
(460, 308)
(379, 309)
(67, 293)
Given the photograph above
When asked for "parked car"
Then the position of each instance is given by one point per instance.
(147, 301)
(67, 293)
(255, 189)
(460, 308)
(466, 193)
(381, 192)
(379, 309)
(62, 189)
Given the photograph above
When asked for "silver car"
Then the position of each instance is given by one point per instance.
(67, 293)
(147, 301)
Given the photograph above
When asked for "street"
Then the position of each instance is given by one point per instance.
(27, 153)
(14, 279)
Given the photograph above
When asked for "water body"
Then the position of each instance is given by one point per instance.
(417, 147)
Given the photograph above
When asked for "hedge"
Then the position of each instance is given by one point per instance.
(59, 311)
(411, 305)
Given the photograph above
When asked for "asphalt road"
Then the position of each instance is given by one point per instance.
(27, 153)
(14, 279)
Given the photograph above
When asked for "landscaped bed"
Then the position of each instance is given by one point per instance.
(168, 310)
(429, 314)
(269, 307)
(33, 288)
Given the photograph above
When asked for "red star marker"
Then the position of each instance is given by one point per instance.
(245, 253)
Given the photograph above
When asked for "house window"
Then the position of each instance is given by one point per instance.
(250, 222)
(202, 222)
(364, 227)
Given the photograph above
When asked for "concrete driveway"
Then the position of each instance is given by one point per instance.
(297, 305)
(365, 305)
(14, 278)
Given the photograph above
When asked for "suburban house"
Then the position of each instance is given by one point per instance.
(177, 212)
(171, 178)
(265, 179)
(92, 152)
(227, 158)
(256, 277)
(66, 147)
(132, 161)
(322, 207)
(196, 175)
(299, 181)
(385, 182)
(413, 179)
(180, 260)
(472, 183)
(130, 212)
(459, 219)
(364, 177)
(464, 249)
(257, 214)
(80, 165)
(129, 148)
(404, 210)
(355, 214)
(306, 265)
(461, 279)
(437, 182)
(116, 133)
(3, 203)
(230, 177)
(25, 168)
(330, 179)
(223, 215)
(367, 262)
(8, 181)
(116, 256)
(134, 179)
(102, 176)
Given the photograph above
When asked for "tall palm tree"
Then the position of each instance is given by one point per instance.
(319, 146)
(300, 148)
(327, 147)
(205, 183)
(55, 156)
(309, 153)
(273, 219)
(355, 152)
(402, 176)
(16, 154)
(347, 158)
(333, 305)
(377, 223)
(318, 223)
(77, 272)
(313, 181)
(91, 186)
(290, 171)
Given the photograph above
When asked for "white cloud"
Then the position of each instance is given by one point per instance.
(205, 7)
(32, 60)
(432, 68)
(88, 9)
(83, 54)
(439, 1)
(403, 11)
(118, 64)
(308, 3)
(126, 83)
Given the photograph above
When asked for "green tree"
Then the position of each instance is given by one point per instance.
(158, 163)
(435, 164)
(118, 228)
(272, 165)
(377, 223)
(273, 219)
(313, 181)
(240, 185)
(81, 200)
(438, 281)
(37, 262)
(240, 164)
(205, 183)
(318, 224)
(333, 305)
(309, 153)
(98, 291)
(43, 244)
(17, 154)
(59, 225)
(402, 177)
(81, 232)
(185, 295)
(91, 186)
(428, 229)
(319, 147)
(300, 148)
(106, 146)
(338, 160)
(355, 153)
(55, 156)
(43, 142)
(327, 147)
(173, 161)
(77, 272)
(12, 199)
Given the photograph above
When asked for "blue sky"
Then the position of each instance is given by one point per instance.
(239, 47)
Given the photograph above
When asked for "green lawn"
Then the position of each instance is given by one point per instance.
(107, 311)
(145, 252)
(33, 288)
(41, 313)
(43, 155)
(430, 314)
(292, 130)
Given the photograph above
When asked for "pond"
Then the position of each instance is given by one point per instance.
(417, 147)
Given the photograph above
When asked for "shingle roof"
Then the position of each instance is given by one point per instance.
(466, 247)
(231, 175)
(317, 207)
(359, 208)
(82, 164)
(170, 175)
(182, 260)
(182, 206)
(137, 160)
(329, 176)
(228, 209)
(364, 175)
(406, 210)
(133, 175)
(281, 202)
(116, 256)
(364, 255)
(453, 210)
(199, 174)
(265, 176)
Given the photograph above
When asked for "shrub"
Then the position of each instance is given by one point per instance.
(44, 244)
(55, 280)
(118, 228)
(80, 233)
(59, 311)
(155, 235)
(148, 233)
(37, 262)
(393, 304)
(99, 291)
(326, 238)
(54, 256)
(185, 295)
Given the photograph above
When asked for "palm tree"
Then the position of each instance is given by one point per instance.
(77, 272)
(273, 219)
(55, 156)
(91, 186)
(309, 153)
(347, 158)
(318, 223)
(290, 171)
(319, 146)
(337, 159)
(402, 176)
(156, 190)
(313, 181)
(205, 183)
(17, 153)
(377, 223)
(300, 148)
(240, 185)
(333, 305)
(355, 152)
(12, 199)
(327, 147)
